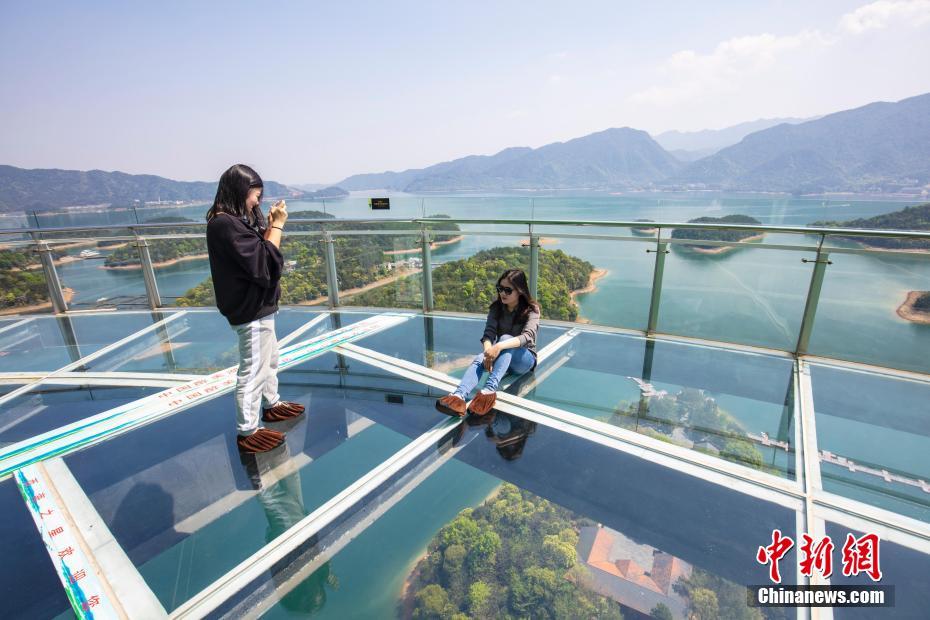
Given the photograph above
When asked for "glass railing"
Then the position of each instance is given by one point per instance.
(856, 298)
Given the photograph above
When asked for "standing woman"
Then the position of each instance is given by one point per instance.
(509, 342)
(246, 262)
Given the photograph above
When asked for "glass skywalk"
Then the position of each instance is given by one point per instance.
(626, 473)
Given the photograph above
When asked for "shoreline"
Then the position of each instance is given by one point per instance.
(68, 295)
(542, 241)
(432, 246)
(723, 249)
(164, 263)
(907, 312)
(362, 289)
(591, 287)
(405, 601)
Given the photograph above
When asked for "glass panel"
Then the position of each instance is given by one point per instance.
(22, 279)
(47, 407)
(738, 406)
(875, 309)
(902, 568)
(618, 290)
(523, 523)
(198, 342)
(48, 343)
(187, 507)
(379, 270)
(874, 438)
(101, 273)
(443, 343)
(29, 586)
(180, 263)
(742, 294)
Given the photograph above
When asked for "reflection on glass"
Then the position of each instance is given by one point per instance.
(186, 507)
(47, 407)
(569, 528)
(874, 438)
(48, 343)
(733, 405)
(745, 295)
(278, 484)
(197, 342)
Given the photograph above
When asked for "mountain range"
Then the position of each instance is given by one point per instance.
(878, 147)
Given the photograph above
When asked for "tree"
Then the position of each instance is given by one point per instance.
(704, 604)
(662, 612)
(433, 603)
(479, 600)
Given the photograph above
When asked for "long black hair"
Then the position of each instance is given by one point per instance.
(525, 303)
(232, 191)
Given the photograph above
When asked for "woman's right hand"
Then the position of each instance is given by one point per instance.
(278, 213)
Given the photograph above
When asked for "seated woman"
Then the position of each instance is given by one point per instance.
(509, 346)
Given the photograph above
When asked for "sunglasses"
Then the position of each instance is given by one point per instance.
(504, 289)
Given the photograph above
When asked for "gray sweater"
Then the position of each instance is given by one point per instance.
(526, 332)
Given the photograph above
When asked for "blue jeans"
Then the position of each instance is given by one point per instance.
(510, 361)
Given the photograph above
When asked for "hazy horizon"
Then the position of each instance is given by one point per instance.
(310, 94)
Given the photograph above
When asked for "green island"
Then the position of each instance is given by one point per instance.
(163, 251)
(361, 260)
(706, 427)
(20, 285)
(916, 305)
(511, 557)
(518, 555)
(731, 235)
(915, 218)
(467, 285)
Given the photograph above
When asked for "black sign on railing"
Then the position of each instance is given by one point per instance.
(379, 203)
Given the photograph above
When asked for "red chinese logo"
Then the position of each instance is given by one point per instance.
(860, 555)
(819, 556)
(773, 553)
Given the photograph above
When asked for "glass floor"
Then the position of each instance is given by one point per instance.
(624, 477)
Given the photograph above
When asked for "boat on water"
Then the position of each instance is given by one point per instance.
(89, 254)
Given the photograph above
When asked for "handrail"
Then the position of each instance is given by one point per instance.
(830, 232)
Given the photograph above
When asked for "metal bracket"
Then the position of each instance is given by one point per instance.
(806, 260)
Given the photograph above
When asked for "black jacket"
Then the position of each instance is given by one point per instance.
(246, 269)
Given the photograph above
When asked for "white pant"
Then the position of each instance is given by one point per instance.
(257, 379)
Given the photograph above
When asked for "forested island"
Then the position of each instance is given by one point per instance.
(467, 285)
(512, 557)
(163, 251)
(916, 306)
(915, 218)
(19, 285)
(517, 555)
(732, 235)
(646, 230)
(361, 260)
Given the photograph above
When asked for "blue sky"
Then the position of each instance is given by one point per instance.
(314, 92)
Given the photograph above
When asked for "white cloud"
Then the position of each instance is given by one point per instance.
(690, 73)
(884, 13)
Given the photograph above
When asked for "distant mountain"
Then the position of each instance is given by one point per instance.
(692, 145)
(326, 192)
(613, 158)
(880, 146)
(29, 190)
